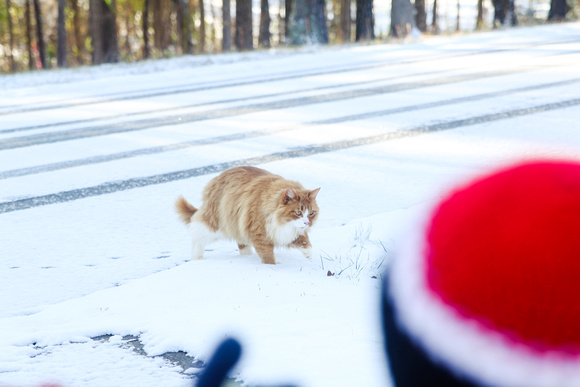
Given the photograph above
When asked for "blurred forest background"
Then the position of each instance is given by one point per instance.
(42, 34)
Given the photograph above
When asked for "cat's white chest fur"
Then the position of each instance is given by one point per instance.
(283, 235)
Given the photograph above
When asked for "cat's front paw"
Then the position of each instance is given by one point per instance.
(245, 249)
(307, 251)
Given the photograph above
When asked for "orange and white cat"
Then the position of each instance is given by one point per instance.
(255, 208)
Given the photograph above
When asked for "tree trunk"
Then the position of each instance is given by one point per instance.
(110, 41)
(184, 26)
(434, 21)
(128, 14)
(479, 23)
(299, 23)
(264, 33)
(345, 21)
(61, 35)
(40, 34)
(103, 27)
(501, 10)
(11, 37)
(201, 26)
(213, 34)
(29, 36)
(318, 25)
(161, 15)
(287, 14)
(513, 16)
(308, 22)
(558, 10)
(78, 42)
(244, 38)
(227, 26)
(402, 21)
(420, 15)
(146, 52)
(365, 25)
(95, 23)
(179, 11)
(458, 21)
(281, 26)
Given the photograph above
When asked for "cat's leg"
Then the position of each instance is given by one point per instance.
(201, 236)
(265, 250)
(303, 243)
(245, 249)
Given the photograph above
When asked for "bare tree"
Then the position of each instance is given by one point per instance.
(227, 26)
(558, 10)
(103, 29)
(458, 20)
(345, 21)
(479, 23)
(420, 15)
(434, 20)
(244, 37)
(503, 9)
(513, 16)
(365, 24)
(29, 35)
(40, 34)
(308, 22)
(402, 21)
(11, 37)
(264, 32)
(184, 26)
(160, 10)
(78, 42)
(201, 26)
(95, 26)
(61, 35)
(146, 52)
(288, 11)
(213, 31)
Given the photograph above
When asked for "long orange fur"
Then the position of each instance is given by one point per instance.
(255, 208)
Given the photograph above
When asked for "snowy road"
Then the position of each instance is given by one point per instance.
(91, 161)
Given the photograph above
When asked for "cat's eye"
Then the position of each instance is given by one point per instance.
(298, 212)
(311, 213)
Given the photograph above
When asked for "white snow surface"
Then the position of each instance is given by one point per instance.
(119, 264)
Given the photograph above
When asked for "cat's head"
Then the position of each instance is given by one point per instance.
(299, 207)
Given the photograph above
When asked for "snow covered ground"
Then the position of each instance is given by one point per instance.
(91, 161)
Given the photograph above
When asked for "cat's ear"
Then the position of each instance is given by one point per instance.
(289, 195)
(312, 194)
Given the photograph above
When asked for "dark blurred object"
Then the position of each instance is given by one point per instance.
(223, 360)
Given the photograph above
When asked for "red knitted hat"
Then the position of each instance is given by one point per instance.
(490, 288)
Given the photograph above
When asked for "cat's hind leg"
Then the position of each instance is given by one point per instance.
(303, 244)
(201, 236)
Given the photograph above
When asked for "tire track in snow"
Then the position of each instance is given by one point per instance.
(139, 182)
(75, 134)
(232, 100)
(258, 133)
(203, 86)
(160, 92)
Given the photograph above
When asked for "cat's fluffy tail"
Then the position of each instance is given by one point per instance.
(184, 210)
